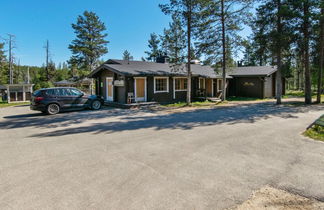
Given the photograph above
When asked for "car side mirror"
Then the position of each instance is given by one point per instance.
(82, 94)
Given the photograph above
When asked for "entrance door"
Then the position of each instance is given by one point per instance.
(209, 88)
(110, 89)
(140, 89)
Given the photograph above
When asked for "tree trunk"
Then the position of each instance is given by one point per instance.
(224, 51)
(189, 54)
(321, 60)
(308, 88)
(279, 51)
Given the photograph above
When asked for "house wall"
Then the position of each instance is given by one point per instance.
(248, 87)
(120, 92)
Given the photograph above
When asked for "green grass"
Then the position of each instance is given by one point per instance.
(317, 133)
(299, 94)
(234, 98)
(193, 104)
(5, 104)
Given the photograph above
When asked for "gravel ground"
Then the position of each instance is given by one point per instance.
(211, 158)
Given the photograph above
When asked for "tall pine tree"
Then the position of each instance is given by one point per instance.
(174, 41)
(218, 29)
(90, 43)
(154, 46)
(3, 65)
(188, 13)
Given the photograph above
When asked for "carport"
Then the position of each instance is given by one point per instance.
(19, 92)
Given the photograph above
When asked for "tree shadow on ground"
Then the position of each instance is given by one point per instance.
(129, 120)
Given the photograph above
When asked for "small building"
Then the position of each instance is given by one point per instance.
(123, 81)
(254, 82)
(19, 92)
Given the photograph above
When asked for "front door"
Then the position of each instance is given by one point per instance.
(209, 88)
(140, 89)
(110, 89)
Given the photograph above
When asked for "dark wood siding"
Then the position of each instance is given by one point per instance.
(248, 87)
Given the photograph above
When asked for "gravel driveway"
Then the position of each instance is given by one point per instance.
(137, 159)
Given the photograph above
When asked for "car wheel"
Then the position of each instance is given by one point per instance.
(95, 105)
(53, 109)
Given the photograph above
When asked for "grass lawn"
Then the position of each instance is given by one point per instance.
(317, 131)
(298, 93)
(234, 98)
(5, 104)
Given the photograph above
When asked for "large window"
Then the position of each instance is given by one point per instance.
(180, 84)
(161, 84)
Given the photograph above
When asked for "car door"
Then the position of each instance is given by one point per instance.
(79, 99)
(64, 98)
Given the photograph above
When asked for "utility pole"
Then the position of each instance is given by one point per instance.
(28, 76)
(11, 37)
(47, 59)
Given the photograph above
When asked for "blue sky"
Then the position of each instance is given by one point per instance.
(128, 22)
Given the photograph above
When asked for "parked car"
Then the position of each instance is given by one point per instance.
(54, 100)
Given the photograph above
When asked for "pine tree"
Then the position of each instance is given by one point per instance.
(304, 13)
(3, 65)
(188, 13)
(321, 58)
(218, 29)
(90, 43)
(127, 56)
(153, 44)
(274, 17)
(174, 41)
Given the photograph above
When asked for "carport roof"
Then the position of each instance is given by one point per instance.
(138, 68)
(252, 71)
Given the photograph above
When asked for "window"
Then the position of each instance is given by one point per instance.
(180, 83)
(75, 92)
(62, 92)
(201, 83)
(161, 84)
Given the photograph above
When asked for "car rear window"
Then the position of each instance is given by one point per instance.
(50, 92)
(37, 93)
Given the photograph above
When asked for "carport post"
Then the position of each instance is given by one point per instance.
(8, 95)
(24, 93)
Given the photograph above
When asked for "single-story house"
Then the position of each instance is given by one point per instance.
(254, 81)
(125, 81)
(139, 81)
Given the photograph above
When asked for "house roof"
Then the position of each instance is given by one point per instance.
(64, 82)
(140, 68)
(137, 68)
(252, 71)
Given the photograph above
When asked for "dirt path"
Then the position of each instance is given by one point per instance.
(269, 198)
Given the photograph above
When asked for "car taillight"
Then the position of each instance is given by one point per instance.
(38, 99)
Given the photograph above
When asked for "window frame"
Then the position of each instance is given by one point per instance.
(175, 82)
(204, 83)
(161, 91)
